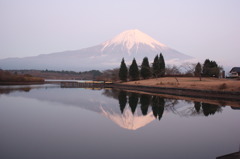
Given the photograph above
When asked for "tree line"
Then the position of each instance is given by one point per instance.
(7, 77)
(146, 71)
(158, 69)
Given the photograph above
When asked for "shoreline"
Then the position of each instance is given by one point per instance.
(219, 102)
(19, 83)
(185, 92)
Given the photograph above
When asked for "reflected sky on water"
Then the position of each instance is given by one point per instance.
(52, 122)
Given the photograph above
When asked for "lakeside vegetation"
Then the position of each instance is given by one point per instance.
(7, 77)
(159, 69)
(206, 76)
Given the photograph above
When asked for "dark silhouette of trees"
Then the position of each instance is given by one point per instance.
(209, 109)
(123, 71)
(145, 69)
(134, 71)
(158, 104)
(158, 66)
(133, 101)
(198, 71)
(210, 69)
(162, 65)
(197, 106)
(145, 101)
(122, 99)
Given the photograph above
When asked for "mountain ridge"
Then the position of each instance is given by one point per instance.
(107, 55)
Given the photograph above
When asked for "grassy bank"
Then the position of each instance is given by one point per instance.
(213, 84)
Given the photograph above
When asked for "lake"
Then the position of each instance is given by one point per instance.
(50, 122)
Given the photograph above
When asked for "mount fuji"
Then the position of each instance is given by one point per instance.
(128, 45)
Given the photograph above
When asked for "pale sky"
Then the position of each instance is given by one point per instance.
(199, 28)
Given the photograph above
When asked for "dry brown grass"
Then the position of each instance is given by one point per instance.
(192, 83)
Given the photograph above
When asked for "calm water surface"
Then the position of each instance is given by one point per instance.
(49, 122)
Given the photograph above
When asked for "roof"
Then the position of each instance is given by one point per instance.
(235, 69)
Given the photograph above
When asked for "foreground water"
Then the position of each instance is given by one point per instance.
(49, 122)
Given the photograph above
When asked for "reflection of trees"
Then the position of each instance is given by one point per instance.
(207, 109)
(197, 109)
(122, 99)
(210, 109)
(145, 100)
(10, 90)
(170, 104)
(158, 104)
(197, 106)
(113, 93)
(133, 101)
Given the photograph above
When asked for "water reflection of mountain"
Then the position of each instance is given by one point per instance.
(137, 110)
(129, 110)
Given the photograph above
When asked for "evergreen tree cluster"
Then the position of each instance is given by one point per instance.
(158, 66)
(209, 69)
(145, 72)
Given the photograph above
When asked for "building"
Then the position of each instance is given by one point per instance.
(235, 72)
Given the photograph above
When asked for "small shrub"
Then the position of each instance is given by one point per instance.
(159, 83)
(223, 86)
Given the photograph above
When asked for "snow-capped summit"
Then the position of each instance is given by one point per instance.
(107, 55)
(130, 38)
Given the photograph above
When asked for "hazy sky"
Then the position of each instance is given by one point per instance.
(200, 28)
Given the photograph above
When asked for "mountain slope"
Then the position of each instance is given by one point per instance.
(128, 44)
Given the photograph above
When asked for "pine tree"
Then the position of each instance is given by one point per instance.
(198, 70)
(161, 65)
(123, 71)
(206, 68)
(134, 71)
(145, 69)
(155, 66)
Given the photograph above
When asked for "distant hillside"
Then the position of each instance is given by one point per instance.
(107, 55)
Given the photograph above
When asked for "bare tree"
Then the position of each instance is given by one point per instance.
(188, 68)
(110, 75)
(172, 70)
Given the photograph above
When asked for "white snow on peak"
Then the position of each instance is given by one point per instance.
(131, 38)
